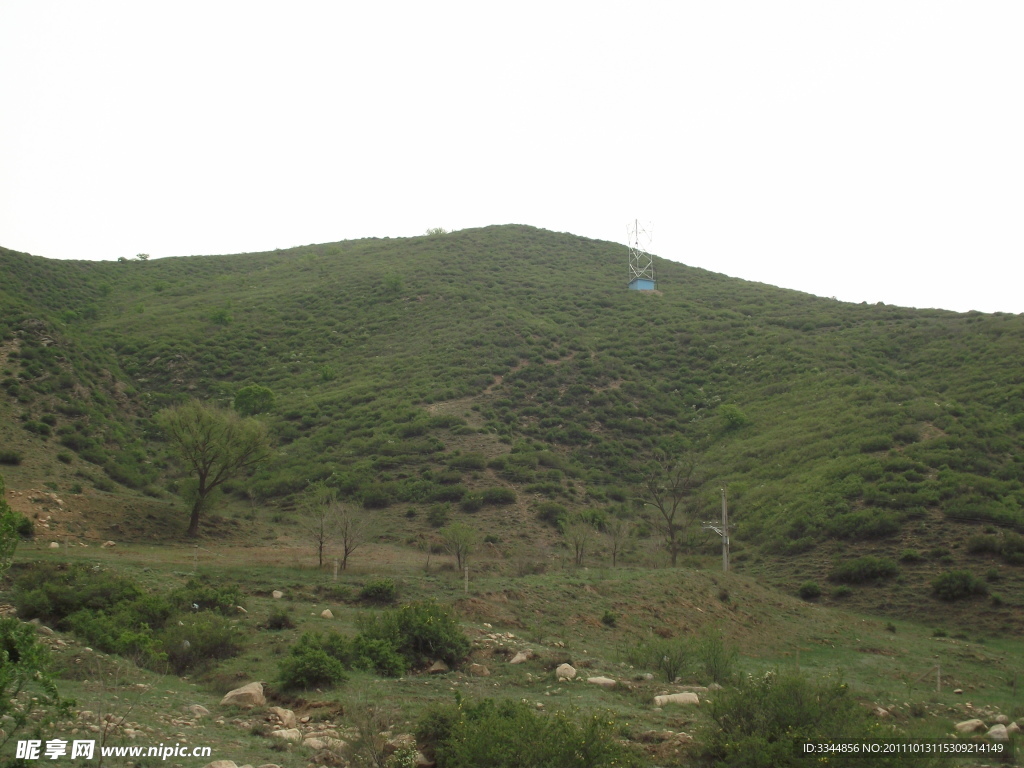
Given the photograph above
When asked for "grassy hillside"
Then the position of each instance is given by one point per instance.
(420, 373)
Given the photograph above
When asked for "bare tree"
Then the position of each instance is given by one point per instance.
(318, 517)
(669, 488)
(353, 529)
(459, 539)
(579, 535)
(618, 531)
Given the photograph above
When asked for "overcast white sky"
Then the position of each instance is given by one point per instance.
(868, 150)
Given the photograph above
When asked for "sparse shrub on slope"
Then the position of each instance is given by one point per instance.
(510, 734)
(864, 569)
(760, 720)
(957, 585)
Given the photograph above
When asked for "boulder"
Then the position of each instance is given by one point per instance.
(293, 735)
(326, 614)
(881, 713)
(401, 741)
(998, 732)
(1013, 728)
(686, 697)
(565, 672)
(604, 682)
(438, 668)
(54, 545)
(221, 764)
(286, 716)
(522, 656)
(970, 726)
(479, 670)
(197, 710)
(250, 695)
(1001, 719)
(277, 594)
(107, 545)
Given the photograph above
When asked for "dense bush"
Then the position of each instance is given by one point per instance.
(12, 458)
(201, 595)
(421, 632)
(381, 591)
(760, 720)
(310, 667)
(957, 585)
(809, 590)
(511, 734)
(499, 496)
(862, 569)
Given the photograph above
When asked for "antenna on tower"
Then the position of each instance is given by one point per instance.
(641, 263)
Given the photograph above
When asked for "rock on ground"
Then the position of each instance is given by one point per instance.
(250, 695)
(604, 682)
(970, 726)
(565, 672)
(287, 734)
(686, 697)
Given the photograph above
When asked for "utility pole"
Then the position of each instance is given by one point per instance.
(723, 531)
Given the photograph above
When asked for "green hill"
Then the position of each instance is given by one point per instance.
(430, 371)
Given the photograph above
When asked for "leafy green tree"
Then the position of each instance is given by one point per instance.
(253, 399)
(670, 489)
(215, 445)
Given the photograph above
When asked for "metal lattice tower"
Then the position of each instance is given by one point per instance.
(641, 263)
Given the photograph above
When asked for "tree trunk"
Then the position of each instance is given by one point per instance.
(193, 522)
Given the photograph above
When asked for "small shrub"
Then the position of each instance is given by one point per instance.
(551, 512)
(472, 502)
(863, 569)
(278, 620)
(841, 592)
(475, 461)
(310, 667)
(499, 496)
(438, 515)
(199, 640)
(609, 619)
(890, 627)
(11, 458)
(380, 591)
(957, 585)
(911, 556)
(809, 590)
(200, 595)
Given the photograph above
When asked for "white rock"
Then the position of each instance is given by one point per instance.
(221, 764)
(686, 697)
(520, 657)
(286, 716)
(998, 732)
(438, 668)
(54, 545)
(565, 672)
(970, 726)
(197, 710)
(479, 670)
(1013, 728)
(108, 544)
(1001, 719)
(250, 695)
(287, 734)
(277, 594)
(604, 682)
(326, 614)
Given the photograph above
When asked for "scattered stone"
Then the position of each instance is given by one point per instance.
(1002, 719)
(221, 764)
(326, 614)
(314, 743)
(958, 691)
(604, 682)
(197, 710)
(108, 544)
(277, 594)
(479, 670)
(714, 687)
(293, 735)
(250, 695)
(270, 765)
(881, 713)
(686, 697)
(522, 656)
(695, 688)
(1013, 728)
(438, 668)
(54, 545)
(998, 732)
(240, 609)
(565, 672)
(286, 716)
(401, 741)
(970, 726)
(304, 719)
